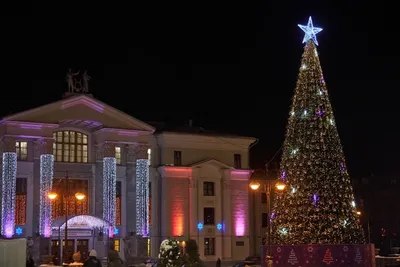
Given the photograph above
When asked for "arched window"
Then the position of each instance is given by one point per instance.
(70, 146)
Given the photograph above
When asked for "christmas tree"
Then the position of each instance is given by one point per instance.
(192, 256)
(170, 254)
(318, 205)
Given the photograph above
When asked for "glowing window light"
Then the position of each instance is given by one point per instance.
(9, 178)
(46, 183)
(109, 192)
(142, 197)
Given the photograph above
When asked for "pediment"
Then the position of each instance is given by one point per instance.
(84, 110)
(211, 163)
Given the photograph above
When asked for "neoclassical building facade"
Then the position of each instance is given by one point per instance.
(140, 184)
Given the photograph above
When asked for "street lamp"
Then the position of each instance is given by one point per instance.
(52, 196)
(368, 226)
(268, 184)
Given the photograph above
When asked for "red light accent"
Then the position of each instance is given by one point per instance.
(179, 204)
(177, 213)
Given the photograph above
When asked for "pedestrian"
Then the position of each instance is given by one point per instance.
(114, 259)
(30, 262)
(219, 262)
(92, 261)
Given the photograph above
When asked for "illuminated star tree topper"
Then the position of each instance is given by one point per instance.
(310, 32)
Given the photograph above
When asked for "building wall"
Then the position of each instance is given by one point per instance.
(177, 199)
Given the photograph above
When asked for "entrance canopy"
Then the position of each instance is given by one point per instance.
(80, 222)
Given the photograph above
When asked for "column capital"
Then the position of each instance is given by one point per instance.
(42, 146)
(141, 151)
(8, 144)
(105, 149)
(136, 151)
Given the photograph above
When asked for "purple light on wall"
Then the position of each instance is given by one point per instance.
(240, 226)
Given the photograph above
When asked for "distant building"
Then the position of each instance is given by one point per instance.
(379, 203)
(139, 184)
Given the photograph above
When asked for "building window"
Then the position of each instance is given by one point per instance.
(209, 246)
(70, 146)
(264, 220)
(237, 161)
(178, 158)
(118, 154)
(240, 243)
(20, 201)
(118, 201)
(209, 216)
(149, 156)
(75, 206)
(263, 198)
(208, 189)
(22, 150)
(117, 245)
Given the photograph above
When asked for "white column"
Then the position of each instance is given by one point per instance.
(155, 213)
(218, 217)
(227, 215)
(193, 208)
(9, 176)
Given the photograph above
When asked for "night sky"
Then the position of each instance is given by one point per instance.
(228, 66)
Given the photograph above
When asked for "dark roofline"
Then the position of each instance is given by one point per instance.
(192, 130)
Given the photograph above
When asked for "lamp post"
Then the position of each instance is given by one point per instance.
(359, 213)
(64, 203)
(268, 185)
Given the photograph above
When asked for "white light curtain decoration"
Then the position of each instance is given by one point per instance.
(142, 197)
(109, 192)
(9, 178)
(46, 183)
(85, 221)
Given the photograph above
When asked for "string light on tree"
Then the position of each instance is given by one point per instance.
(9, 176)
(46, 183)
(109, 192)
(320, 207)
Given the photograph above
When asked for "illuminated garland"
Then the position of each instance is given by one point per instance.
(9, 178)
(318, 207)
(109, 192)
(46, 183)
(142, 197)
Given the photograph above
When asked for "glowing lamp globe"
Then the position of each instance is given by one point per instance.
(80, 196)
(52, 195)
(280, 186)
(254, 185)
(358, 213)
